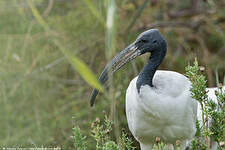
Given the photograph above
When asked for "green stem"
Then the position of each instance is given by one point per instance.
(218, 143)
(203, 120)
(137, 15)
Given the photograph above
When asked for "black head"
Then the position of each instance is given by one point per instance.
(150, 41)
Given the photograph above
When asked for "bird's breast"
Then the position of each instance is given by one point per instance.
(152, 114)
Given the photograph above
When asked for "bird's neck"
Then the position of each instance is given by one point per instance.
(146, 75)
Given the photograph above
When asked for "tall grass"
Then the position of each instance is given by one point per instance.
(77, 63)
(40, 89)
(38, 85)
(110, 28)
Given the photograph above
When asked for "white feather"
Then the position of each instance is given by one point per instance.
(165, 110)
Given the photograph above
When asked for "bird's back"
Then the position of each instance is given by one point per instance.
(165, 110)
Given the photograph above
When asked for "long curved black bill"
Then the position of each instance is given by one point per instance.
(126, 55)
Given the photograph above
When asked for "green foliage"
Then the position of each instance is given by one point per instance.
(110, 146)
(199, 93)
(216, 41)
(217, 113)
(78, 64)
(94, 11)
(160, 146)
(39, 88)
(78, 139)
(210, 110)
(125, 142)
(37, 15)
(198, 144)
(101, 134)
(198, 89)
(84, 71)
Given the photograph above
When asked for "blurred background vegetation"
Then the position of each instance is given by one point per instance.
(42, 92)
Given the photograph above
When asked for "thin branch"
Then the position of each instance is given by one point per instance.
(188, 12)
(49, 8)
(206, 56)
(134, 2)
(137, 15)
(50, 65)
(163, 24)
(185, 13)
(194, 4)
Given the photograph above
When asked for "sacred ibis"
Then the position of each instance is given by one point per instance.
(158, 102)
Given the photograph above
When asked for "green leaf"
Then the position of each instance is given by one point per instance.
(224, 80)
(78, 139)
(37, 14)
(83, 69)
(217, 77)
(80, 66)
(110, 145)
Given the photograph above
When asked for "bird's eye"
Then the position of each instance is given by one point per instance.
(155, 41)
(143, 41)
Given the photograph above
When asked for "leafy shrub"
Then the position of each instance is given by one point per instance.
(206, 131)
(213, 115)
(100, 132)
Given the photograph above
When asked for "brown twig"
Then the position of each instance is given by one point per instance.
(188, 12)
(136, 16)
(49, 8)
(178, 24)
(206, 56)
(206, 59)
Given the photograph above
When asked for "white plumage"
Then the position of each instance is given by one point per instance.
(165, 110)
(158, 103)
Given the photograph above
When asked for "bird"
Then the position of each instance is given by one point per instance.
(158, 102)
